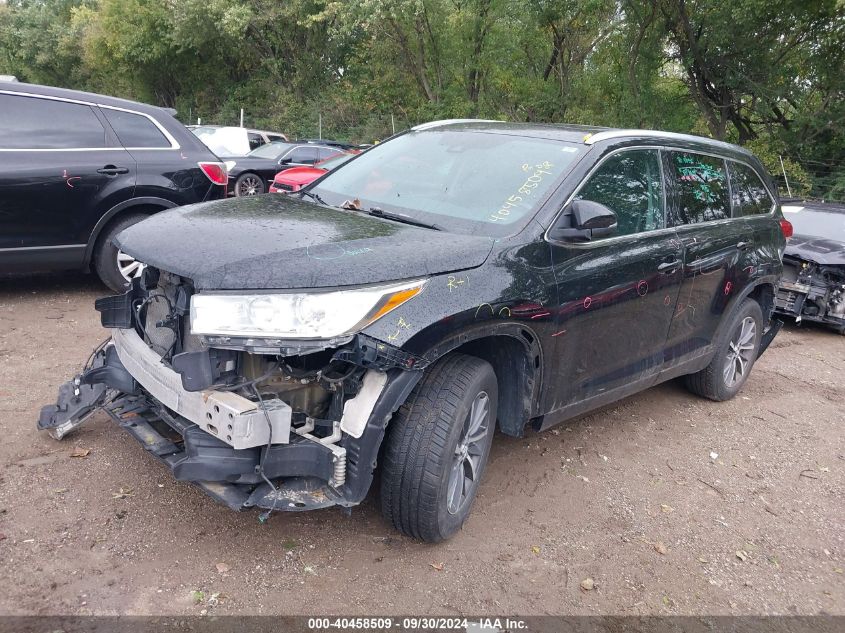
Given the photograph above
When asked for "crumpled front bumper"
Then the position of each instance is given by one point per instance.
(306, 474)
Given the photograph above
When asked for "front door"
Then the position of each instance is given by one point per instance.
(618, 294)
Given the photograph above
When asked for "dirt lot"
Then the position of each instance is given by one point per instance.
(632, 497)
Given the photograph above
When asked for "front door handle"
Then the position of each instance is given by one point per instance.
(667, 268)
(111, 170)
(742, 246)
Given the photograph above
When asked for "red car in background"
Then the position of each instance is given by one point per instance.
(298, 177)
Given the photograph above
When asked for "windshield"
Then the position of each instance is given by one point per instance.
(466, 181)
(828, 225)
(270, 150)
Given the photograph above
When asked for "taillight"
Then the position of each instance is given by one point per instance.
(786, 227)
(216, 172)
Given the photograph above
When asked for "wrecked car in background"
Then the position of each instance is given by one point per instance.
(813, 283)
(460, 276)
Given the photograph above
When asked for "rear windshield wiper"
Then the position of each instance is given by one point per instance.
(405, 219)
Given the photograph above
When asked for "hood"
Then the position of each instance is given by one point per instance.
(274, 241)
(816, 249)
(299, 175)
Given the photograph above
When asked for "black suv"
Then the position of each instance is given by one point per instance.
(458, 277)
(77, 168)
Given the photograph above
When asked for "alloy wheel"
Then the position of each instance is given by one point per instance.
(469, 453)
(740, 352)
(128, 267)
(249, 186)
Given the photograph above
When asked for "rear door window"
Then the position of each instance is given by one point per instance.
(304, 155)
(35, 123)
(135, 130)
(701, 184)
(629, 184)
(749, 194)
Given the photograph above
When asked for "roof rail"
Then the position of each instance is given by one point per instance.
(610, 134)
(433, 124)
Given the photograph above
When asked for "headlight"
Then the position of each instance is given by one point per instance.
(230, 165)
(297, 315)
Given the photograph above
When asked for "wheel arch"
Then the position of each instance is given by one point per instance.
(148, 205)
(516, 356)
(763, 291)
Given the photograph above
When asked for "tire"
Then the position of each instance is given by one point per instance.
(727, 372)
(106, 254)
(249, 184)
(426, 443)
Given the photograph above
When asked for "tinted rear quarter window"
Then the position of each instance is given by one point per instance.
(750, 196)
(35, 123)
(135, 130)
(701, 184)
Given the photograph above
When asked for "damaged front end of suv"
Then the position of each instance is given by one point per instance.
(236, 412)
(253, 419)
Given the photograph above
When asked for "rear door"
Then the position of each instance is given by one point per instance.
(754, 203)
(617, 295)
(61, 168)
(713, 243)
(165, 170)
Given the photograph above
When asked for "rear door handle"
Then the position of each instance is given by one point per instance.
(742, 246)
(667, 268)
(111, 170)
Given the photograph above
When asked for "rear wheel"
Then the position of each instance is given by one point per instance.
(249, 185)
(437, 448)
(735, 355)
(115, 268)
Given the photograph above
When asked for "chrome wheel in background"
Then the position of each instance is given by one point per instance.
(128, 267)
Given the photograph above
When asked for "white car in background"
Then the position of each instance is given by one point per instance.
(234, 141)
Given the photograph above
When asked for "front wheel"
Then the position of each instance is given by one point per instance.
(249, 185)
(735, 355)
(437, 447)
(115, 268)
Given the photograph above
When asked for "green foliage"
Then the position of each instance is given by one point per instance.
(761, 73)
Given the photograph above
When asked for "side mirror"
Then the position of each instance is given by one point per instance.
(285, 161)
(587, 220)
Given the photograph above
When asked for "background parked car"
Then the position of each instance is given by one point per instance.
(77, 168)
(813, 282)
(298, 177)
(251, 175)
(234, 141)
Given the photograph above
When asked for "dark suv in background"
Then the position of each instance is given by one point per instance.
(77, 168)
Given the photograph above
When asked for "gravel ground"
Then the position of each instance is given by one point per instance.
(669, 504)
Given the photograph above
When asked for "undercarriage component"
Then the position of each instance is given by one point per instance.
(229, 475)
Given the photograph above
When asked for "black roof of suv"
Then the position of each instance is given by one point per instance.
(77, 167)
